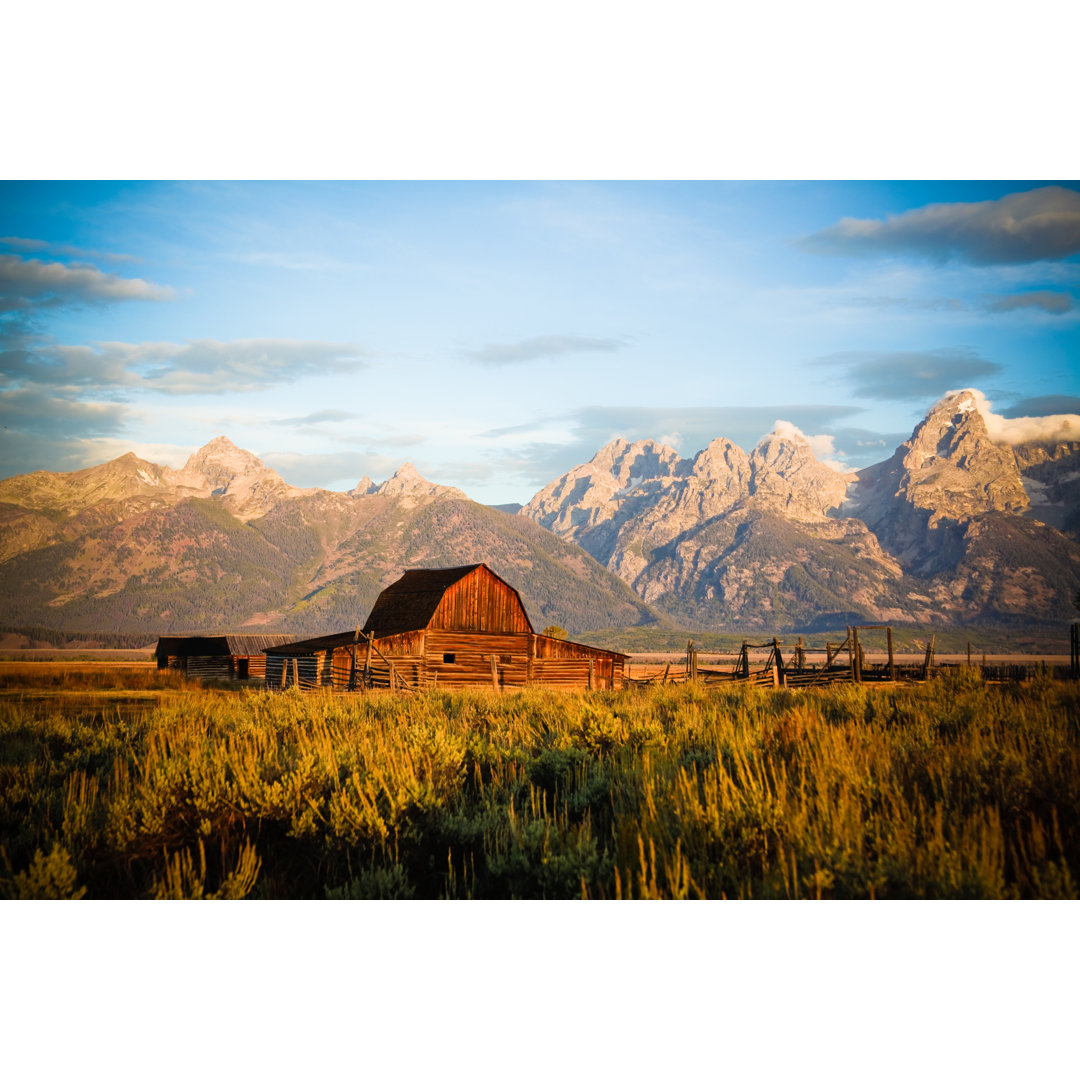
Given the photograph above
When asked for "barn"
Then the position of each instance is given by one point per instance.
(457, 627)
(224, 656)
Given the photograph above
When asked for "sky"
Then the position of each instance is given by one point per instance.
(495, 334)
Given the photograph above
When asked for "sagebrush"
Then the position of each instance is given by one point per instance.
(952, 789)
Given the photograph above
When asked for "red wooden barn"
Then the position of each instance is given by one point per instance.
(456, 627)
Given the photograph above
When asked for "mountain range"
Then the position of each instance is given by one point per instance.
(954, 528)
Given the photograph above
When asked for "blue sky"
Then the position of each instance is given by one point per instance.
(497, 333)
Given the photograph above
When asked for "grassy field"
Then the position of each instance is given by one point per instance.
(130, 783)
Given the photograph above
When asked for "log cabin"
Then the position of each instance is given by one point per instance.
(223, 656)
(454, 627)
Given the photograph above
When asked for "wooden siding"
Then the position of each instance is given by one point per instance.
(208, 667)
(417, 661)
(481, 602)
(472, 663)
(280, 670)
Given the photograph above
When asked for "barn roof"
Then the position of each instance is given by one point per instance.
(253, 644)
(326, 643)
(219, 644)
(410, 602)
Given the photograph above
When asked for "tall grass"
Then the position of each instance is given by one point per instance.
(949, 789)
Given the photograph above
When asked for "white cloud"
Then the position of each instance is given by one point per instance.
(1064, 427)
(823, 447)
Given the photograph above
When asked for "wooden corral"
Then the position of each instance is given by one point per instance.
(225, 656)
(763, 663)
(772, 663)
(452, 628)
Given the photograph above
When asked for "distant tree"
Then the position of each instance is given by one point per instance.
(1076, 601)
(554, 631)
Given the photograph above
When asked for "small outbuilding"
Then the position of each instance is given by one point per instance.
(224, 656)
(455, 627)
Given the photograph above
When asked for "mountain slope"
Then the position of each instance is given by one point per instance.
(250, 550)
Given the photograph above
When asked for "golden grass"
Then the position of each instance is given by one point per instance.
(949, 789)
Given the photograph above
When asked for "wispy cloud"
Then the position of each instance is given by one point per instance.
(547, 347)
(934, 303)
(47, 247)
(903, 376)
(198, 367)
(1056, 303)
(1023, 227)
(315, 419)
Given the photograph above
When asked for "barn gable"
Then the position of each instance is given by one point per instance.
(468, 598)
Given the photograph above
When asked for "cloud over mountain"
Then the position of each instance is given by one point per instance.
(1013, 430)
(1026, 226)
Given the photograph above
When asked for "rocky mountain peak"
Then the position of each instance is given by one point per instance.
(408, 482)
(364, 486)
(218, 463)
(220, 469)
(787, 475)
(949, 472)
(720, 460)
(631, 462)
(951, 466)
